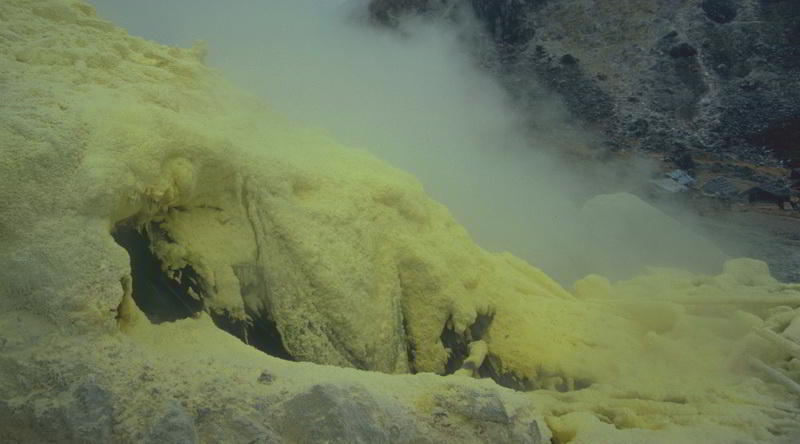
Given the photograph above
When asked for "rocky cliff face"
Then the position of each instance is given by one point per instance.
(710, 86)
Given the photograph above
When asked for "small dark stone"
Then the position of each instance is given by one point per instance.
(266, 377)
(781, 139)
(638, 127)
(568, 59)
(683, 160)
(670, 35)
(794, 179)
(750, 85)
(778, 189)
(720, 187)
(719, 11)
(203, 413)
(744, 172)
(682, 50)
(769, 193)
(332, 414)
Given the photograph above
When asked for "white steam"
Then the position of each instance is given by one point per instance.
(417, 100)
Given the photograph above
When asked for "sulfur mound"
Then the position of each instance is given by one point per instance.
(275, 230)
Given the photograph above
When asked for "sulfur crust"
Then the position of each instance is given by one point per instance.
(100, 127)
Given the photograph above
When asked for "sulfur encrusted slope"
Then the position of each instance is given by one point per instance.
(351, 261)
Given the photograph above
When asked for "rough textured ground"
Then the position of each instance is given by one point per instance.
(284, 239)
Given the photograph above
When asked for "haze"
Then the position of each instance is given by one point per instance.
(418, 101)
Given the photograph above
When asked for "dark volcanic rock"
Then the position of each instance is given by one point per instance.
(720, 11)
(700, 79)
(720, 187)
(507, 22)
(333, 414)
(90, 413)
(329, 414)
(174, 424)
(566, 75)
(388, 12)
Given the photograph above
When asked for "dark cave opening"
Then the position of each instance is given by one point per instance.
(556, 382)
(508, 380)
(261, 332)
(458, 345)
(164, 299)
(160, 298)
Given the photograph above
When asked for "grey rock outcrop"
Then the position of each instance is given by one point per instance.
(697, 82)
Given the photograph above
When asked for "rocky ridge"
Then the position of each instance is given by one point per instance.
(710, 86)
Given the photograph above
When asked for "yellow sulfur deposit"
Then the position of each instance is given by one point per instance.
(357, 267)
